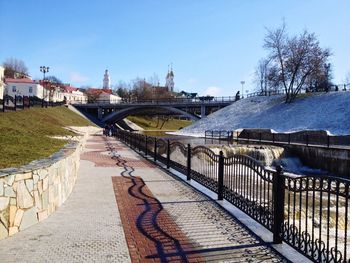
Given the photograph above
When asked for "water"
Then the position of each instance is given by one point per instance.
(267, 155)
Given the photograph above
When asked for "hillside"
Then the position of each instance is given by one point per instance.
(27, 135)
(321, 111)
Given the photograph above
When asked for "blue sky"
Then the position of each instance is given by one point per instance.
(213, 44)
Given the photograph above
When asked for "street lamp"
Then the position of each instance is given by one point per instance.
(242, 82)
(44, 70)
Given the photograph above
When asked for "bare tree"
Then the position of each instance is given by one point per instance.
(153, 80)
(14, 67)
(261, 74)
(295, 60)
(54, 80)
(347, 78)
(123, 90)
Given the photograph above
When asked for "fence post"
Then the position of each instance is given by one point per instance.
(328, 141)
(188, 162)
(288, 138)
(260, 137)
(15, 108)
(278, 204)
(273, 138)
(146, 146)
(221, 176)
(155, 149)
(168, 154)
(139, 142)
(307, 139)
(248, 137)
(3, 103)
(237, 137)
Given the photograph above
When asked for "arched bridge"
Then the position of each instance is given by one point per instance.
(194, 109)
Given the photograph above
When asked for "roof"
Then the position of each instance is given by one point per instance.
(99, 91)
(20, 80)
(69, 88)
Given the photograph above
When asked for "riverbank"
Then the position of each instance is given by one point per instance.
(35, 133)
(161, 124)
(312, 111)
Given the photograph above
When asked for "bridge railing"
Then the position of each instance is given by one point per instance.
(312, 214)
(196, 100)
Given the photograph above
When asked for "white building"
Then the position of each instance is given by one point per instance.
(170, 80)
(31, 88)
(73, 95)
(108, 97)
(106, 80)
(25, 87)
(2, 84)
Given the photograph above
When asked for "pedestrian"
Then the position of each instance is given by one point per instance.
(106, 130)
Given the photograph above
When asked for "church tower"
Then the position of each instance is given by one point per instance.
(170, 80)
(106, 80)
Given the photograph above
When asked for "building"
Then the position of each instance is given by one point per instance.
(106, 80)
(2, 82)
(169, 80)
(73, 95)
(25, 87)
(108, 97)
(102, 96)
(189, 95)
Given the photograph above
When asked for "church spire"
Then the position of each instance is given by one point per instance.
(170, 78)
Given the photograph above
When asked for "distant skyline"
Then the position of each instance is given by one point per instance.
(212, 45)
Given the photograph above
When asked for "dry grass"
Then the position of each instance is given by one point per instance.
(149, 123)
(24, 135)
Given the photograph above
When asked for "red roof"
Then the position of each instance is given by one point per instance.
(99, 91)
(21, 80)
(69, 88)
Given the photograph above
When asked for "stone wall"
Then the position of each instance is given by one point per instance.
(31, 193)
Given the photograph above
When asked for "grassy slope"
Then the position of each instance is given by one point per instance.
(149, 123)
(24, 134)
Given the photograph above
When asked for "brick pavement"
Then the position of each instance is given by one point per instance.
(158, 219)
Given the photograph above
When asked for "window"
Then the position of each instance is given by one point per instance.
(13, 88)
(30, 89)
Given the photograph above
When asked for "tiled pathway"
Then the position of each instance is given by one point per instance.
(125, 209)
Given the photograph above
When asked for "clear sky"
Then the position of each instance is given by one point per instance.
(212, 44)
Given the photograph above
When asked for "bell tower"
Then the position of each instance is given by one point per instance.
(106, 80)
(170, 79)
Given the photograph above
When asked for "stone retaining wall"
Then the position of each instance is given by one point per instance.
(31, 193)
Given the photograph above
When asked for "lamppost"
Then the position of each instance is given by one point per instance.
(242, 82)
(327, 66)
(44, 70)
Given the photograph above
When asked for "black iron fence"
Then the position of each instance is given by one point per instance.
(15, 103)
(307, 138)
(309, 213)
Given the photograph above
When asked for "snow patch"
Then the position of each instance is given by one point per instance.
(326, 111)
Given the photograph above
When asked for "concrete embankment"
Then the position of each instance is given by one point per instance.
(336, 161)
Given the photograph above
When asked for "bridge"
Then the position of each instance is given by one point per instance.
(194, 109)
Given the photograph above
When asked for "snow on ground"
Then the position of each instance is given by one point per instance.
(321, 111)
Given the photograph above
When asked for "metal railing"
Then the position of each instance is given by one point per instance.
(309, 213)
(159, 101)
(15, 103)
(297, 138)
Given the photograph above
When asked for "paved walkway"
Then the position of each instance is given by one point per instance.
(124, 209)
